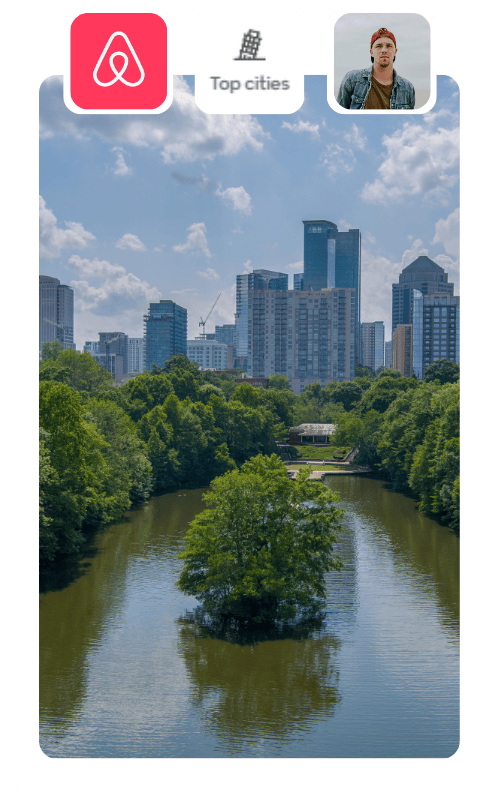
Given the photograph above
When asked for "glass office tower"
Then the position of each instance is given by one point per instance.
(332, 260)
(56, 314)
(165, 332)
(422, 274)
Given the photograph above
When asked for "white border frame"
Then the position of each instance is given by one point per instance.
(464, 773)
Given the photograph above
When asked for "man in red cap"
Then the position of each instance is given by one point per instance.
(379, 87)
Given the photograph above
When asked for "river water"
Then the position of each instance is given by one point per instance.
(123, 674)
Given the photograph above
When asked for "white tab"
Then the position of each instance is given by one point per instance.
(250, 69)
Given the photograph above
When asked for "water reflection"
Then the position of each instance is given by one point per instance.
(272, 690)
(119, 676)
(424, 554)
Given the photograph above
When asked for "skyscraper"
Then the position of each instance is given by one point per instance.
(225, 334)
(422, 274)
(56, 314)
(402, 341)
(372, 339)
(307, 336)
(135, 355)
(258, 279)
(165, 332)
(298, 282)
(441, 328)
(332, 260)
(113, 349)
(388, 354)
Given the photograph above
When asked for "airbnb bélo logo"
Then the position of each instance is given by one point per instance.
(118, 62)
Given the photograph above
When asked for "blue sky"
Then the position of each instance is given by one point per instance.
(174, 206)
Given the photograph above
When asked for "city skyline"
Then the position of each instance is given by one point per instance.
(175, 206)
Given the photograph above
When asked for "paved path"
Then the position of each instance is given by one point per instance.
(319, 474)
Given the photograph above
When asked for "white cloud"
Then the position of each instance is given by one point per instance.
(130, 241)
(201, 182)
(237, 198)
(302, 127)
(118, 290)
(452, 267)
(417, 249)
(121, 168)
(420, 160)
(210, 274)
(296, 266)
(248, 264)
(448, 233)
(341, 156)
(355, 137)
(196, 240)
(54, 239)
(185, 133)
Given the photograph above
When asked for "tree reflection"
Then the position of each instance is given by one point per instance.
(260, 690)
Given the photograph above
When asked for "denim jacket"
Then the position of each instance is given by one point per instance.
(356, 85)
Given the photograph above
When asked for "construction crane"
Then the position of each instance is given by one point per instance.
(51, 322)
(203, 321)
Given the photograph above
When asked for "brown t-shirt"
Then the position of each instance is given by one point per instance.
(379, 96)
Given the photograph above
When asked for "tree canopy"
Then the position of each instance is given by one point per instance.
(261, 549)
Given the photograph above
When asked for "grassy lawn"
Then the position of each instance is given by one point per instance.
(320, 453)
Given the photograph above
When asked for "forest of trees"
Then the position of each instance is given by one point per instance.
(104, 448)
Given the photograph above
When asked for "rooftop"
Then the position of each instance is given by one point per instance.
(314, 429)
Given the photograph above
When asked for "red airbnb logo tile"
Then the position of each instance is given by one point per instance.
(118, 62)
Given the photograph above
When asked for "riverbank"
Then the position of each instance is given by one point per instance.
(327, 469)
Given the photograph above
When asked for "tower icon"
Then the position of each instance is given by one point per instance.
(250, 46)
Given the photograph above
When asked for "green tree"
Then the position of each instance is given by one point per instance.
(348, 430)
(247, 395)
(71, 487)
(434, 474)
(443, 371)
(78, 370)
(403, 429)
(50, 350)
(279, 382)
(361, 371)
(262, 548)
(384, 390)
(127, 470)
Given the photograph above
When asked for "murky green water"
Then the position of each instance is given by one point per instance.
(122, 676)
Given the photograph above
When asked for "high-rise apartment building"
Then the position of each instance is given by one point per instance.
(91, 347)
(135, 355)
(56, 312)
(332, 260)
(422, 274)
(372, 344)
(258, 279)
(165, 332)
(441, 328)
(388, 354)
(225, 334)
(207, 353)
(402, 342)
(113, 352)
(307, 336)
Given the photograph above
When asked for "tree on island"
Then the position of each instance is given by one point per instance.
(261, 549)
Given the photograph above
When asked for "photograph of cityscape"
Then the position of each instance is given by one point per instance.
(266, 308)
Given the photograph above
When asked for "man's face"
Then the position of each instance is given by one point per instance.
(383, 51)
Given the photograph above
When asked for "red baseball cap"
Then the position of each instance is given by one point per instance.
(382, 32)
